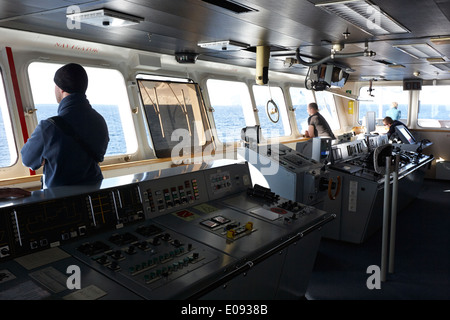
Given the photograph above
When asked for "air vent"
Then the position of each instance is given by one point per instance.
(419, 51)
(231, 5)
(364, 15)
(442, 66)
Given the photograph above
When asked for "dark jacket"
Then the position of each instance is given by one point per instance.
(66, 162)
(391, 132)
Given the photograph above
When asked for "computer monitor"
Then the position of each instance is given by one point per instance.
(404, 135)
(371, 120)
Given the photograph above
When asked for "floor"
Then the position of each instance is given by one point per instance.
(421, 261)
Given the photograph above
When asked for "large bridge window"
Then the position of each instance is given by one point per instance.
(380, 101)
(232, 108)
(301, 97)
(107, 94)
(8, 151)
(327, 108)
(175, 117)
(272, 111)
(434, 108)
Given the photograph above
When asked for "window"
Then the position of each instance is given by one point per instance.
(327, 108)
(175, 119)
(274, 123)
(232, 108)
(8, 151)
(107, 94)
(301, 97)
(434, 109)
(382, 100)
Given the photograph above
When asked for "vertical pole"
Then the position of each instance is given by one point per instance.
(384, 243)
(393, 214)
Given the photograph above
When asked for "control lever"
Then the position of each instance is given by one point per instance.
(262, 192)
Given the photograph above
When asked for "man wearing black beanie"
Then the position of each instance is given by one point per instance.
(71, 145)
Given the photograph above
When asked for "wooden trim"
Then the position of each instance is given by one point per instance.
(19, 180)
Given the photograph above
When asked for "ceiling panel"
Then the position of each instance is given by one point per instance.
(179, 25)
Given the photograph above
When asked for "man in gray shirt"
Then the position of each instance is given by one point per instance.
(317, 125)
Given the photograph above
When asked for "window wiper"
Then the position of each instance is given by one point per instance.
(183, 107)
(155, 106)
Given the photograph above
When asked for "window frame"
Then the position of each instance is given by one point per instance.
(6, 116)
(443, 123)
(194, 113)
(332, 116)
(302, 124)
(245, 104)
(280, 102)
(378, 117)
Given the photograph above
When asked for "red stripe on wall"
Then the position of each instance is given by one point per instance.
(18, 97)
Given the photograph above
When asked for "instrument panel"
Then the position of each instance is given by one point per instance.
(169, 234)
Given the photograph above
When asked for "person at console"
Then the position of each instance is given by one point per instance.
(391, 124)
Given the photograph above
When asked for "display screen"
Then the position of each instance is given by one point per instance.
(404, 135)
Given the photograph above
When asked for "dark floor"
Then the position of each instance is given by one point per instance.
(421, 261)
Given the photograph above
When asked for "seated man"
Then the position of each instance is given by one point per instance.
(391, 124)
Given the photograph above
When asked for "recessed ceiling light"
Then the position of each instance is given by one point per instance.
(434, 60)
(225, 45)
(364, 15)
(375, 77)
(105, 18)
(440, 40)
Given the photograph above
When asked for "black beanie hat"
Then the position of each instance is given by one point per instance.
(71, 78)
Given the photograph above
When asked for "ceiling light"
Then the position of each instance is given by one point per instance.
(105, 18)
(364, 15)
(419, 51)
(436, 59)
(441, 40)
(375, 77)
(225, 45)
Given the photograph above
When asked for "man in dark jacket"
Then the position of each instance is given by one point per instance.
(69, 158)
(391, 124)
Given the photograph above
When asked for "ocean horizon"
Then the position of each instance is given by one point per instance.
(228, 124)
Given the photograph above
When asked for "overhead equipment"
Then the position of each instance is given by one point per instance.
(324, 76)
